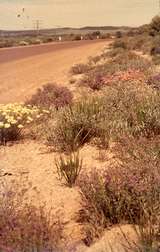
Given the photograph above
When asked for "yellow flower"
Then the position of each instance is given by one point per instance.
(7, 125)
(13, 122)
(19, 118)
(29, 119)
(46, 111)
(1, 124)
(20, 126)
(9, 119)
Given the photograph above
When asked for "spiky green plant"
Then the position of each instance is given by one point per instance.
(69, 168)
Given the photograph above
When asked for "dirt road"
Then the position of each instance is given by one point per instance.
(24, 69)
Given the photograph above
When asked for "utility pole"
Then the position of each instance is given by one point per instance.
(37, 26)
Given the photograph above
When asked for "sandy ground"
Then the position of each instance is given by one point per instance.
(33, 162)
(34, 66)
(30, 160)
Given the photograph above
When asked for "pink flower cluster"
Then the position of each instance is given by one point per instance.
(128, 75)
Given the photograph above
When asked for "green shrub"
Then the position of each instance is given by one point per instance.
(80, 68)
(154, 28)
(75, 125)
(69, 168)
(132, 109)
(140, 42)
(156, 59)
(126, 56)
(148, 237)
(114, 52)
(130, 60)
(120, 43)
(94, 60)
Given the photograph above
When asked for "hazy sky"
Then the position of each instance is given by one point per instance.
(75, 13)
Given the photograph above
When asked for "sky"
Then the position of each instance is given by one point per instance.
(75, 13)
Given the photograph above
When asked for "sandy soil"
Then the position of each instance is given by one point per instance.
(31, 67)
(30, 160)
(33, 162)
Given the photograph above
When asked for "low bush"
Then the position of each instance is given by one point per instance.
(75, 125)
(132, 109)
(123, 193)
(125, 76)
(147, 117)
(148, 237)
(118, 34)
(154, 27)
(36, 42)
(114, 52)
(93, 80)
(125, 108)
(132, 61)
(80, 68)
(156, 59)
(125, 56)
(120, 43)
(90, 36)
(51, 95)
(69, 168)
(24, 227)
(155, 51)
(139, 64)
(14, 117)
(140, 42)
(77, 37)
(154, 81)
(94, 60)
(127, 63)
(6, 43)
(23, 43)
(48, 39)
(72, 80)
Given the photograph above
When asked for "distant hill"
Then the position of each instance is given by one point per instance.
(105, 28)
(65, 30)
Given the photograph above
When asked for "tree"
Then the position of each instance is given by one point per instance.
(118, 34)
(155, 26)
(96, 33)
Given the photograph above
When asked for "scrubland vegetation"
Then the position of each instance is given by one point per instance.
(10, 39)
(120, 112)
(24, 227)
